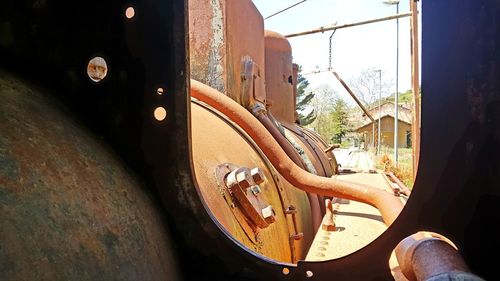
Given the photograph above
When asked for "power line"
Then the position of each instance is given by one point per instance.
(279, 12)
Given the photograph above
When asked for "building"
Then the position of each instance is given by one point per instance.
(366, 127)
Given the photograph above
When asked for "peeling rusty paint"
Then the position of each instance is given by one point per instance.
(215, 68)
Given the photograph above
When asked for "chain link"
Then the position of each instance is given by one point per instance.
(330, 51)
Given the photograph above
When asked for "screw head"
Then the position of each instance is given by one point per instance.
(269, 214)
(243, 179)
(255, 189)
(257, 175)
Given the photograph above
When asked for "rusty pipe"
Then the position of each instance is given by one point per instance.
(388, 205)
(294, 156)
(283, 142)
(424, 256)
(331, 147)
(402, 186)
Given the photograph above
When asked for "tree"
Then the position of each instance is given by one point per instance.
(366, 86)
(340, 119)
(332, 121)
(306, 113)
(323, 103)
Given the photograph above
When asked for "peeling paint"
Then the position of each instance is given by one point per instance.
(215, 68)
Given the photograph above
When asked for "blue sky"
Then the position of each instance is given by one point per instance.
(354, 49)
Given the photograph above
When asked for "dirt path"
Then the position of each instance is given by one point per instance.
(354, 159)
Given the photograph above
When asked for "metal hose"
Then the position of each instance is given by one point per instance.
(388, 205)
(430, 256)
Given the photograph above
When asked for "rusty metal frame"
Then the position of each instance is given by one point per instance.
(152, 52)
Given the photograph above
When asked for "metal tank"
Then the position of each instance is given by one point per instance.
(229, 56)
(281, 97)
(259, 209)
(70, 209)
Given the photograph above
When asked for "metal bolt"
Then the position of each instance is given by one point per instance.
(257, 175)
(291, 210)
(297, 236)
(396, 190)
(255, 189)
(328, 227)
(242, 179)
(269, 214)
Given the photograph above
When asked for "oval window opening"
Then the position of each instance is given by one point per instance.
(97, 69)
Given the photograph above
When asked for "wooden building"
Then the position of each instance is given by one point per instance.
(386, 115)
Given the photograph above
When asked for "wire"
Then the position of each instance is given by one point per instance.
(279, 12)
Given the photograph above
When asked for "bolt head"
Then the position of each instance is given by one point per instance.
(242, 179)
(269, 214)
(257, 175)
(328, 227)
(255, 189)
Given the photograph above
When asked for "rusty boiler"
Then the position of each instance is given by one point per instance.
(241, 188)
(243, 113)
(182, 159)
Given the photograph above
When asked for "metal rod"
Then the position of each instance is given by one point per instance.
(415, 136)
(404, 189)
(396, 95)
(373, 134)
(353, 96)
(379, 109)
(285, 9)
(323, 29)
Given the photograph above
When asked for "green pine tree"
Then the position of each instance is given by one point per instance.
(306, 113)
(340, 121)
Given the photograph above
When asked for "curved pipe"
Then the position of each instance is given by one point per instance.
(283, 142)
(317, 210)
(388, 205)
(424, 256)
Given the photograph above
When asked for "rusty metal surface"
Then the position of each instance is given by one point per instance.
(425, 255)
(224, 36)
(403, 189)
(273, 240)
(245, 38)
(295, 77)
(314, 150)
(279, 77)
(207, 40)
(69, 208)
(350, 225)
(315, 137)
(387, 204)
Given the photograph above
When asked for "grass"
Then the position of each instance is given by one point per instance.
(404, 170)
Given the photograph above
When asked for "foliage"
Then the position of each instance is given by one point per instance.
(340, 119)
(404, 171)
(305, 111)
(332, 121)
(406, 97)
(369, 86)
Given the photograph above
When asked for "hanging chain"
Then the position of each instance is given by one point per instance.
(330, 52)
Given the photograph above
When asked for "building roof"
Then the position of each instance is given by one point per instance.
(386, 110)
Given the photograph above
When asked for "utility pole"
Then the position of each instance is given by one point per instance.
(379, 107)
(396, 95)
